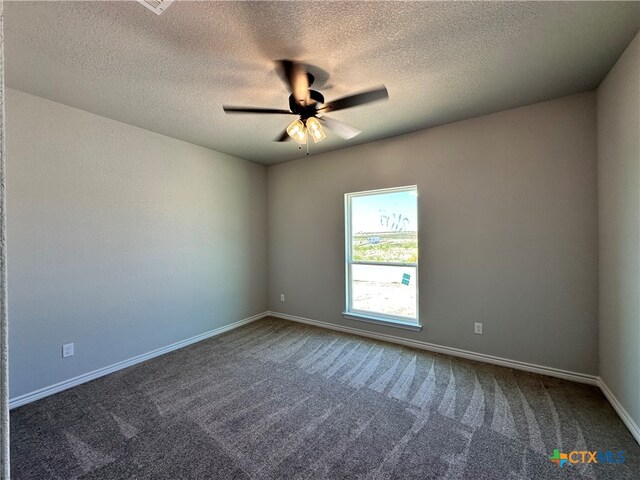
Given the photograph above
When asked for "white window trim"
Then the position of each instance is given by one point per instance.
(409, 323)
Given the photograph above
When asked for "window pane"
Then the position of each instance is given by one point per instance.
(384, 289)
(384, 227)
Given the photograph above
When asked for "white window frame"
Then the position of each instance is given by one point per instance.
(409, 323)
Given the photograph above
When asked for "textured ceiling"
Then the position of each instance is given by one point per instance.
(441, 61)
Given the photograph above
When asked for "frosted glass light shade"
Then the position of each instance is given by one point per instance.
(315, 130)
(297, 131)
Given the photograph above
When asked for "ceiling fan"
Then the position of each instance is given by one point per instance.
(309, 106)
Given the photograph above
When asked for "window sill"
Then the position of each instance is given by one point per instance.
(389, 322)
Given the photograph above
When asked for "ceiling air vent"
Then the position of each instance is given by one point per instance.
(156, 6)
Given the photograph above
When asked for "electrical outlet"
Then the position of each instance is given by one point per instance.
(477, 328)
(67, 350)
(282, 297)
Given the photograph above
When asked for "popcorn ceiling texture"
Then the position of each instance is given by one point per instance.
(441, 61)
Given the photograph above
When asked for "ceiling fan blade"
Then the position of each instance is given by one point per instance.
(232, 109)
(283, 137)
(295, 76)
(344, 130)
(349, 101)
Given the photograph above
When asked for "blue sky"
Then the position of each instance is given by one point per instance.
(382, 212)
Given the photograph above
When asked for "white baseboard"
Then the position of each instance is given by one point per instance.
(481, 357)
(86, 377)
(456, 352)
(620, 410)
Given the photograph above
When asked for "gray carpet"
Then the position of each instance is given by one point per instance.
(279, 400)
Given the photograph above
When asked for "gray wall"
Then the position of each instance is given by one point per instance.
(121, 240)
(619, 216)
(508, 231)
(4, 332)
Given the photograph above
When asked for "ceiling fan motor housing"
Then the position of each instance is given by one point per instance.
(306, 111)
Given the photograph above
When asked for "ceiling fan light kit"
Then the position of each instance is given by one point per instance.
(315, 130)
(307, 104)
(297, 131)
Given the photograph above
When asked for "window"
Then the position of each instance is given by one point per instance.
(382, 256)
